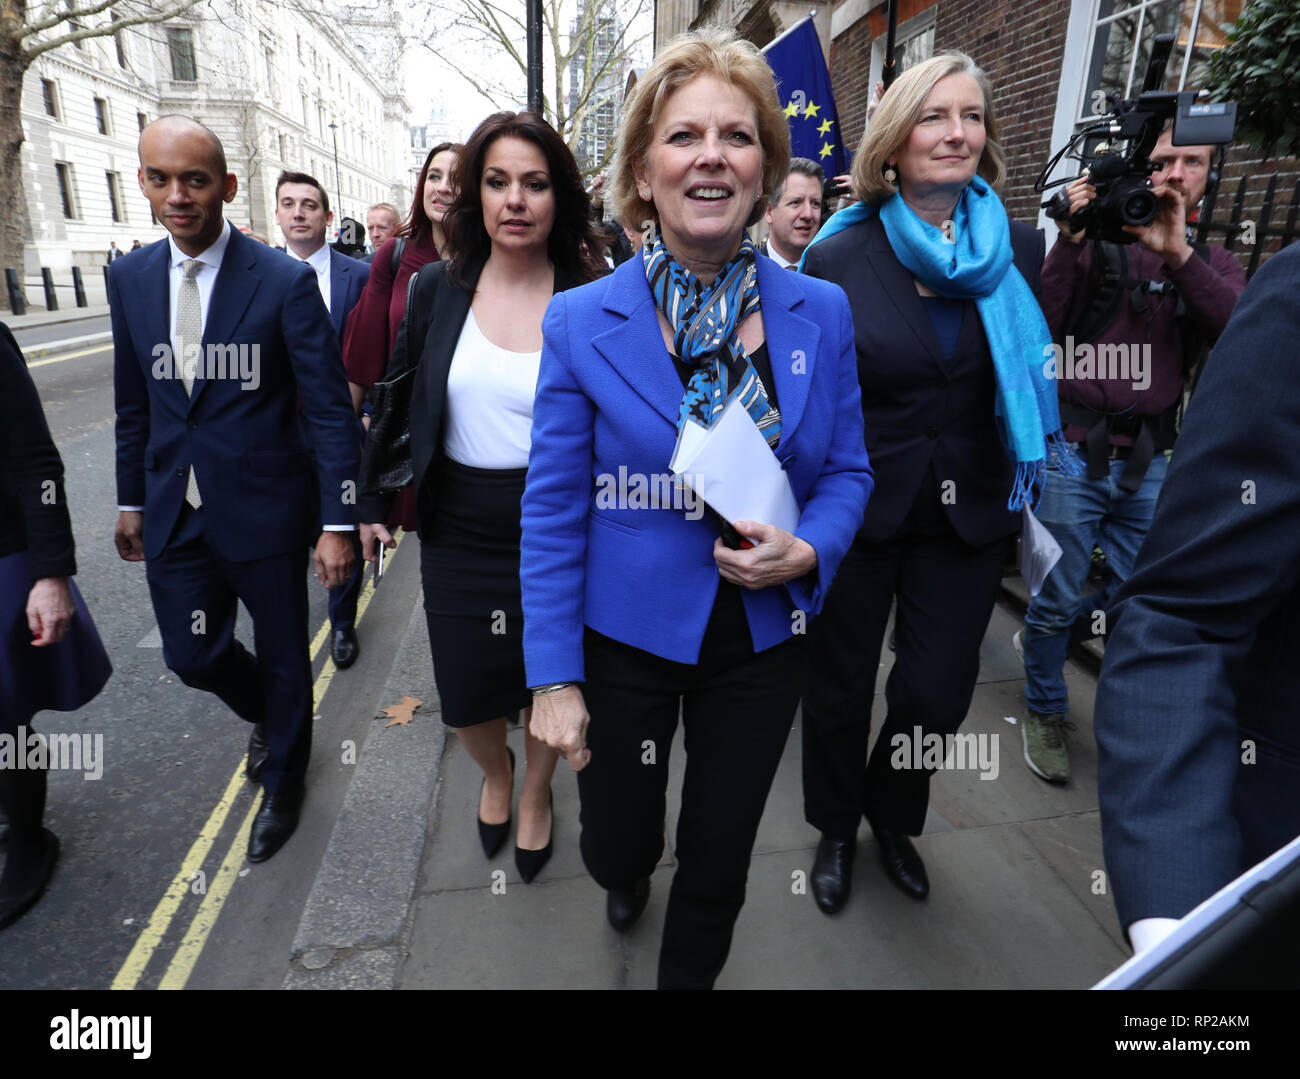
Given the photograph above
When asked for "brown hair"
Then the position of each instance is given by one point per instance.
(572, 243)
(418, 226)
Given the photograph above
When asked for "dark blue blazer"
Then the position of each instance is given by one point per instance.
(1196, 716)
(348, 277)
(240, 435)
(607, 398)
(920, 409)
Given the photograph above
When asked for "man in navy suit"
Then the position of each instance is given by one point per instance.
(1197, 732)
(302, 210)
(216, 338)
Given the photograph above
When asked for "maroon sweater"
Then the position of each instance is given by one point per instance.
(1208, 289)
(372, 326)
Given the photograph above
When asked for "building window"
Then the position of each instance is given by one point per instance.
(1123, 33)
(142, 120)
(115, 196)
(51, 97)
(180, 44)
(64, 173)
(284, 154)
(101, 116)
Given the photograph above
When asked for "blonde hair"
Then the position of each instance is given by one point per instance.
(711, 50)
(897, 116)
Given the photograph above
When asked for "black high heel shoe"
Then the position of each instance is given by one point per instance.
(530, 862)
(493, 836)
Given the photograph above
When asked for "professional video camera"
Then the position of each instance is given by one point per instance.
(1123, 179)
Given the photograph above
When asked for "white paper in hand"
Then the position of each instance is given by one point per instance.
(733, 469)
(1039, 551)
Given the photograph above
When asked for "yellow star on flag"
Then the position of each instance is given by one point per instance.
(791, 109)
(825, 127)
(811, 110)
(826, 149)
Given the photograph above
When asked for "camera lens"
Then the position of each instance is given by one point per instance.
(1139, 208)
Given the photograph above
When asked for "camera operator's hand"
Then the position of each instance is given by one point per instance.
(1080, 192)
(1167, 233)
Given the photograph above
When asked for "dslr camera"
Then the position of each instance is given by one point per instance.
(1123, 177)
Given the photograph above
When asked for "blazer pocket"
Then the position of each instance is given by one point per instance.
(615, 525)
(275, 462)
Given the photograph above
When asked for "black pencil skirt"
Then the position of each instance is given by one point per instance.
(469, 564)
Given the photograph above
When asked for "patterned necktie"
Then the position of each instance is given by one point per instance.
(189, 334)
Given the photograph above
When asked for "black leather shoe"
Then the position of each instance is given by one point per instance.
(530, 862)
(276, 821)
(345, 648)
(23, 886)
(902, 864)
(493, 836)
(832, 873)
(258, 752)
(624, 908)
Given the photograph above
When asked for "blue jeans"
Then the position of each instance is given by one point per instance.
(1081, 513)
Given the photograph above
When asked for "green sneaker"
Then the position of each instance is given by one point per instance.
(1045, 750)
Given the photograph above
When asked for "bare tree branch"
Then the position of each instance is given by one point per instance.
(105, 29)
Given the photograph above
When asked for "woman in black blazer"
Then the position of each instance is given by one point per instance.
(950, 480)
(50, 654)
(520, 231)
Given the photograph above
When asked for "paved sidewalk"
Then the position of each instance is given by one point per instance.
(38, 316)
(405, 898)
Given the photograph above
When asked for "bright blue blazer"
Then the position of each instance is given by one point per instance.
(608, 397)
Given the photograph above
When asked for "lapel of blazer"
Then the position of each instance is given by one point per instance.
(899, 286)
(793, 343)
(152, 318)
(340, 285)
(635, 347)
(232, 292)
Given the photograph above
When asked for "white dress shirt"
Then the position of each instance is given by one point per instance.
(318, 260)
(779, 258)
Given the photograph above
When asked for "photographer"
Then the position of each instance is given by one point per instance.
(1130, 322)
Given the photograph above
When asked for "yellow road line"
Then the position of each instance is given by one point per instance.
(73, 355)
(182, 963)
(178, 971)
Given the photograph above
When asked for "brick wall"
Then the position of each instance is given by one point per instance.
(850, 71)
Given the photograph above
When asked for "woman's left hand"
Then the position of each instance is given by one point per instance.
(776, 557)
(49, 610)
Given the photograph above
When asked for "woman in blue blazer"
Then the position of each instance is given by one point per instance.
(634, 607)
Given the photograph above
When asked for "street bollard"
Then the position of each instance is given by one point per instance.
(78, 289)
(105, 269)
(13, 286)
(47, 279)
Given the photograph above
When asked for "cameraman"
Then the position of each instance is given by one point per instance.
(1131, 321)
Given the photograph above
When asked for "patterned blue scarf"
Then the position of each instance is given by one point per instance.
(704, 320)
(976, 264)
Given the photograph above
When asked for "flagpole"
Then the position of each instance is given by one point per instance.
(785, 34)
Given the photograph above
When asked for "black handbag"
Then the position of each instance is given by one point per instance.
(386, 465)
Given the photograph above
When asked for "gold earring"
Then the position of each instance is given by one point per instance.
(891, 175)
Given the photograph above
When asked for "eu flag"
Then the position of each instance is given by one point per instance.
(805, 88)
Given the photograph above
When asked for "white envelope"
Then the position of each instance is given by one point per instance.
(732, 468)
(1039, 551)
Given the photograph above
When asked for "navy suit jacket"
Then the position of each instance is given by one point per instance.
(240, 435)
(348, 277)
(919, 408)
(607, 398)
(1197, 725)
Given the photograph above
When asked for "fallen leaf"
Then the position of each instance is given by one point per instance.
(1009, 719)
(399, 715)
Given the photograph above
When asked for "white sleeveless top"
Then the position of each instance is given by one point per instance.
(489, 402)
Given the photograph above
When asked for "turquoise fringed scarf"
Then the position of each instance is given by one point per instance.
(976, 264)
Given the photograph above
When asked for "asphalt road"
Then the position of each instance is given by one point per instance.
(171, 761)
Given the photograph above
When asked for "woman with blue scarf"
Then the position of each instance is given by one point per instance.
(635, 608)
(960, 424)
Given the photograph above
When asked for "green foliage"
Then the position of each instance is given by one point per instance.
(1259, 68)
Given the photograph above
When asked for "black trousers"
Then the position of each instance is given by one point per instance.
(195, 594)
(945, 590)
(737, 708)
